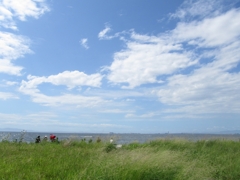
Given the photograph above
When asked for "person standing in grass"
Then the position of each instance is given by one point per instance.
(45, 138)
(38, 139)
(52, 137)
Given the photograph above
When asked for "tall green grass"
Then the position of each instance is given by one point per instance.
(160, 159)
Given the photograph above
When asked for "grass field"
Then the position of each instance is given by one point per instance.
(159, 159)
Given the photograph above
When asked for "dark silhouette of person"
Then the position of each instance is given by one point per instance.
(38, 139)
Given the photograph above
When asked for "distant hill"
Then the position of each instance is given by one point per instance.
(230, 132)
(11, 129)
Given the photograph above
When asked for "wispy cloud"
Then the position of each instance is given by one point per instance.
(210, 32)
(193, 64)
(11, 9)
(212, 87)
(142, 116)
(7, 95)
(50, 122)
(103, 33)
(11, 83)
(14, 46)
(84, 43)
(77, 101)
(115, 111)
(69, 79)
(146, 58)
(9, 68)
(198, 9)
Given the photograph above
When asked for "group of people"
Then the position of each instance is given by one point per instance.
(52, 138)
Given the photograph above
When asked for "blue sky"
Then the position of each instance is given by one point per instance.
(120, 66)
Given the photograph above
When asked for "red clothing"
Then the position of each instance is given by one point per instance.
(52, 137)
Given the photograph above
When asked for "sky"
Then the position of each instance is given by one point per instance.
(124, 66)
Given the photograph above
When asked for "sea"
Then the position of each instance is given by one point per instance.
(119, 138)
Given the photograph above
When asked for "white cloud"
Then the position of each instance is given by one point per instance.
(210, 32)
(102, 34)
(198, 9)
(70, 79)
(146, 58)
(6, 83)
(12, 47)
(50, 122)
(15, 46)
(7, 67)
(6, 18)
(150, 59)
(214, 86)
(115, 94)
(211, 88)
(130, 100)
(210, 43)
(11, 9)
(142, 116)
(115, 111)
(67, 99)
(11, 83)
(6, 95)
(84, 43)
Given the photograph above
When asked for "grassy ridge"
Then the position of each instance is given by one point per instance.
(160, 159)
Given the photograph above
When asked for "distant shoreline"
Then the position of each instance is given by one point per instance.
(120, 138)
